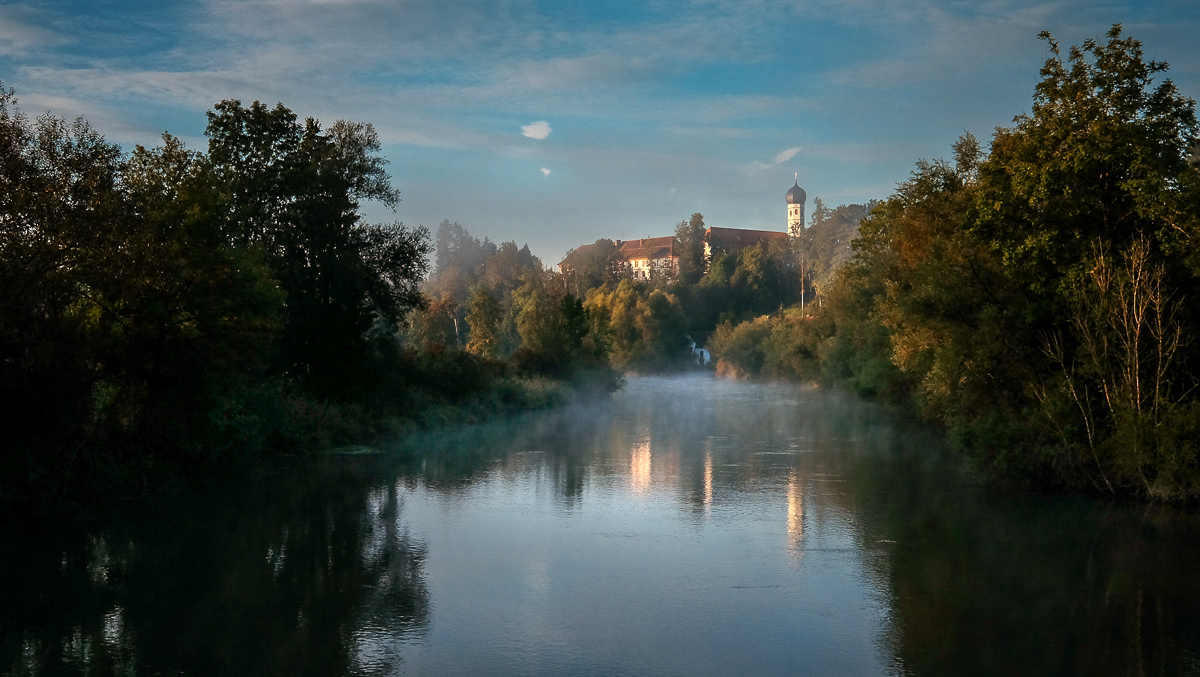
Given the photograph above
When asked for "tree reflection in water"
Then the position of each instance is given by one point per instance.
(690, 524)
(987, 582)
(977, 580)
(307, 574)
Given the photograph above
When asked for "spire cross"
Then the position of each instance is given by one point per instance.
(797, 177)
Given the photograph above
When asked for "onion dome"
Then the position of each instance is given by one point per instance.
(796, 195)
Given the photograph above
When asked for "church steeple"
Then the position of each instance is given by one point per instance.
(795, 202)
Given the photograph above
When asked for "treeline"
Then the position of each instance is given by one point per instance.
(169, 309)
(726, 286)
(731, 285)
(498, 302)
(1037, 299)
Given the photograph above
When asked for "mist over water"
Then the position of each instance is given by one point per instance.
(686, 526)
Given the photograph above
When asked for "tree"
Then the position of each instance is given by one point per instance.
(1103, 156)
(594, 265)
(1125, 374)
(198, 315)
(435, 326)
(820, 213)
(994, 284)
(1100, 170)
(294, 190)
(130, 318)
(689, 238)
(825, 244)
(484, 315)
(60, 206)
(509, 268)
(645, 328)
(574, 322)
(538, 321)
(460, 260)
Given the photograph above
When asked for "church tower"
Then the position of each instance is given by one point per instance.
(795, 203)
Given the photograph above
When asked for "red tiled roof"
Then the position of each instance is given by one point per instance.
(737, 238)
(657, 248)
(652, 248)
(741, 237)
(575, 254)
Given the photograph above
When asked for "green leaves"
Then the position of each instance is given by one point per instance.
(646, 328)
(690, 238)
(991, 281)
(142, 296)
(294, 190)
(1103, 155)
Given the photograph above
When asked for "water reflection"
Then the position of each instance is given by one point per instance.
(689, 526)
(708, 481)
(639, 465)
(795, 515)
(318, 579)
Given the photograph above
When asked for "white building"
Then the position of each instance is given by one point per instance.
(795, 202)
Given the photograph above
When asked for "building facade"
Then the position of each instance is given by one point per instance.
(646, 257)
(652, 255)
(795, 203)
(649, 256)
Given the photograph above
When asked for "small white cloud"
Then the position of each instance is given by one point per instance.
(536, 130)
(786, 155)
(545, 172)
(781, 158)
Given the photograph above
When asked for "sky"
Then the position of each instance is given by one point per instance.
(558, 123)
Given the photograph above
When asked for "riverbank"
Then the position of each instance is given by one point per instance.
(108, 477)
(1025, 300)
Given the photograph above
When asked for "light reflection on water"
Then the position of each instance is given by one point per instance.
(689, 526)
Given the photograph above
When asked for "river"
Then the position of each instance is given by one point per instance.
(687, 526)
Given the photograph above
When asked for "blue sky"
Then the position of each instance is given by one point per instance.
(556, 123)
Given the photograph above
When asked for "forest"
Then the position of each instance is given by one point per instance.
(500, 302)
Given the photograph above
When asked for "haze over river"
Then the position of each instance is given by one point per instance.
(687, 526)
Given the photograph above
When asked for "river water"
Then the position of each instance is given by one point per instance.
(687, 526)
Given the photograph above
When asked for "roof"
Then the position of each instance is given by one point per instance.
(653, 248)
(658, 248)
(737, 238)
(647, 248)
(574, 255)
(796, 195)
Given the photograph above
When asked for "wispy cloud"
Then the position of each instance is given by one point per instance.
(780, 158)
(536, 130)
(939, 43)
(785, 155)
(646, 96)
(18, 34)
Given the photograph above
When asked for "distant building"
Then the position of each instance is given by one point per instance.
(795, 202)
(643, 256)
(660, 253)
(735, 239)
(651, 253)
